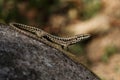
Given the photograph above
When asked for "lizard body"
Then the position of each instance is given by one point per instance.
(49, 39)
(63, 41)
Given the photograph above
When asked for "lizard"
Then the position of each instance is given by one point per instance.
(63, 41)
(59, 43)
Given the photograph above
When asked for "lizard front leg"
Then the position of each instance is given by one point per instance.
(40, 33)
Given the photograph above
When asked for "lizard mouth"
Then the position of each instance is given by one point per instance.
(86, 36)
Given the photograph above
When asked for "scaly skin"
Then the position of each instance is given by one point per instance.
(63, 41)
(56, 42)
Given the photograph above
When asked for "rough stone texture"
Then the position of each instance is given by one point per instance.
(23, 58)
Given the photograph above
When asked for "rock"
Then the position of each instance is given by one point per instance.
(23, 58)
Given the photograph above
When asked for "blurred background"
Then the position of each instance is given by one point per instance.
(101, 18)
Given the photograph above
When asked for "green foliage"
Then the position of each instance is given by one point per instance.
(91, 7)
(45, 8)
(109, 51)
(117, 69)
(10, 9)
(77, 49)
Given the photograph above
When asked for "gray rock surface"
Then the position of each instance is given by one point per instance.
(23, 58)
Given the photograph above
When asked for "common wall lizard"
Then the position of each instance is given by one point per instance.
(63, 41)
(57, 42)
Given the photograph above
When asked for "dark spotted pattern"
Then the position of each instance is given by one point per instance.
(63, 41)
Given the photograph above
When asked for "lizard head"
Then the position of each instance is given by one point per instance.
(81, 37)
(85, 36)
